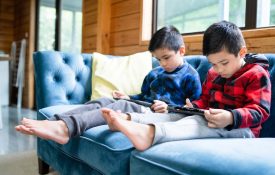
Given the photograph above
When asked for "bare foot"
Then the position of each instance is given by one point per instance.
(141, 135)
(52, 130)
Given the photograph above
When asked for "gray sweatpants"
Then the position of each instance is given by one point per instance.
(89, 115)
(173, 127)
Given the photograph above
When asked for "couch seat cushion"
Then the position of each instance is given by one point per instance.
(98, 147)
(207, 156)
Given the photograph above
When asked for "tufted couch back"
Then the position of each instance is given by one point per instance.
(62, 78)
(269, 126)
(65, 78)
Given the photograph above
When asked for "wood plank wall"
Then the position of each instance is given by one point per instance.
(17, 19)
(89, 26)
(125, 29)
(24, 27)
(6, 25)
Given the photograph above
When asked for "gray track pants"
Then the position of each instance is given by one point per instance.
(89, 115)
(172, 127)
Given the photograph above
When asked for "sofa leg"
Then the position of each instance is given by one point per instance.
(43, 167)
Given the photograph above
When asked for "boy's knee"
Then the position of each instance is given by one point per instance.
(120, 103)
(126, 106)
(102, 102)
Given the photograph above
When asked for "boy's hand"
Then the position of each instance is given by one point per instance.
(188, 103)
(218, 118)
(117, 94)
(159, 106)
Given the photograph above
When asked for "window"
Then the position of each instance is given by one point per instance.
(146, 24)
(191, 16)
(265, 13)
(59, 25)
(71, 26)
(46, 34)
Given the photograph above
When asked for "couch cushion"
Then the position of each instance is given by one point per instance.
(99, 147)
(207, 156)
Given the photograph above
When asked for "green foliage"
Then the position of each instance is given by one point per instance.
(46, 28)
(71, 29)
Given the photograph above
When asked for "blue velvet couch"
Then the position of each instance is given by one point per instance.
(63, 81)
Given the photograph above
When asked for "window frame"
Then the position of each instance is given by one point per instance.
(250, 17)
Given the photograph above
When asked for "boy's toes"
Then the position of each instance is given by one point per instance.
(17, 128)
(24, 130)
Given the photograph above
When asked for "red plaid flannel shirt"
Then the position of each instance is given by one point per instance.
(247, 94)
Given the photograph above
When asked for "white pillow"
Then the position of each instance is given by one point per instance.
(124, 73)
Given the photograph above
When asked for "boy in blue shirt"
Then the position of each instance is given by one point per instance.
(169, 84)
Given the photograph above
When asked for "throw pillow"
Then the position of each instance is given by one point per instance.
(122, 73)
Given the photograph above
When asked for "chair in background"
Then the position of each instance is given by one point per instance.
(17, 69)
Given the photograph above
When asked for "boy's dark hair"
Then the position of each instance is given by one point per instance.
(220, 36)
(167, 37)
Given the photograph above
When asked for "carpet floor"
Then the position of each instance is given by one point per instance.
(23, 163)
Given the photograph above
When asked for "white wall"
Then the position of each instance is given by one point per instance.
(4, 83)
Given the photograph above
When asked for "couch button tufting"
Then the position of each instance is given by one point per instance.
(69, 96)
(77, 78)
(66, 60)
(57, 78)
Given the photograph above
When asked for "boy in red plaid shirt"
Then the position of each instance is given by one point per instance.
(236, 97)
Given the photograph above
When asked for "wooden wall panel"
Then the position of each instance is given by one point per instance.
(125, 7)
(261, 45)
(125, 38)
(89, 5)
(125, 27)
(260, 40)
(90, 43)
(194, 48)
(17, 22)
(91, 16)
(89, 25)
(127, 50)
(116, 1)
(90, 30)
(103, 26)
(123, 23)
(6, 24)
(258, 33)
(24, 27)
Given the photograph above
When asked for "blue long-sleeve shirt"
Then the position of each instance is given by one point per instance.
(171, 87)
